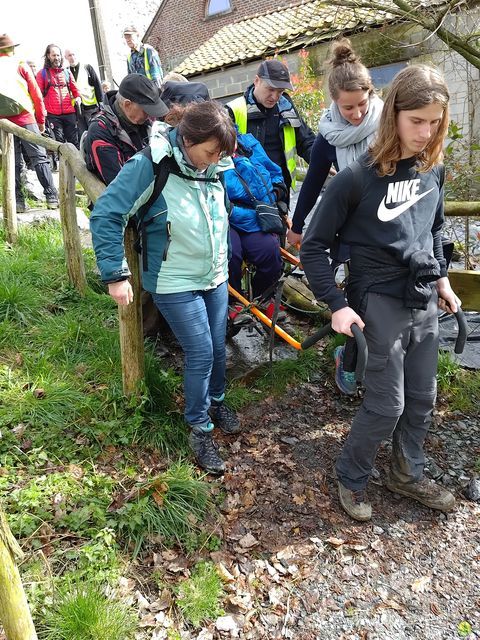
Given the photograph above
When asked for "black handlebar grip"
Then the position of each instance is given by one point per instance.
(318, 335)
(362, 353)
(462, 331)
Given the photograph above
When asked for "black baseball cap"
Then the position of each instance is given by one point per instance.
(144, 92)
(275, 74)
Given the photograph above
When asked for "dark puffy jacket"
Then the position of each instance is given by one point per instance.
(58, 89)
(261, 176)
(109, 142)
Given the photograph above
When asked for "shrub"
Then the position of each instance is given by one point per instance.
(199, 597)
(83, 612)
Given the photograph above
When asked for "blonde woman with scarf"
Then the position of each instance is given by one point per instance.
(345, 132)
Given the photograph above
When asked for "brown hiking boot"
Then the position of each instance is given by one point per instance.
(354, 503)
(425, 491)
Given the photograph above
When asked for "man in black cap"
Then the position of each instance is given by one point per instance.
(269, 114)
(122, 127)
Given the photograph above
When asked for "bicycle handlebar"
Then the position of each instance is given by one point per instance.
(362, 349)
(462, 331)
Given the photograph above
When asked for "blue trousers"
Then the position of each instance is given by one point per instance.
(199, 319)
(260, 249)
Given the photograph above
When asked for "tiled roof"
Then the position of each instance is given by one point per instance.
(278, 31)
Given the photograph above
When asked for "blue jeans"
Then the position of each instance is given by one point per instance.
(199, 319)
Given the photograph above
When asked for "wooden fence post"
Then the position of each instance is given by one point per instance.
(8, 187)
(14, 611)
(71, 236)
(130, 323)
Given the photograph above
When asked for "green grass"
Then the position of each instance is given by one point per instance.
(74, 500)
(199, 597)
(170, 507)
(277, 377)
(82, 611)
(459, 387)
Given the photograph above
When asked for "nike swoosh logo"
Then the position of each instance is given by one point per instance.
(385, 215)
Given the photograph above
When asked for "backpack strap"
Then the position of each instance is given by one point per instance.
(47, 77)
(161, 171)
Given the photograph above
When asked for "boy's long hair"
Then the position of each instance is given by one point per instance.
(414, 87)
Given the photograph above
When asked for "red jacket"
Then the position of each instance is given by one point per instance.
(27, 117)
(57, 92)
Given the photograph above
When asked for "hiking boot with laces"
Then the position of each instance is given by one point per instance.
(354, 503)
(425, 491)
(224, 418)
(205, 451)
(345, 380)
(52, 202)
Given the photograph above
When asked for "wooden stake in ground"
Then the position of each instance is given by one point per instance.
(8, 187)
(14, 611)
(71, 237)
(131, 325)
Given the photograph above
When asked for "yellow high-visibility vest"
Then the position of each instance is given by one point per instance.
(87, 92)
(146, 63)
(239, 110)
(13, 88)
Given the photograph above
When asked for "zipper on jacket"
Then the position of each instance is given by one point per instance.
(168, 227)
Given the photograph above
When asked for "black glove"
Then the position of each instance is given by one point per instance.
(282, 208)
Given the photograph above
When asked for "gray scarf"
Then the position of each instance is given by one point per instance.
(350, 141)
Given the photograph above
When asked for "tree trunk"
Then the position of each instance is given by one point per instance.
(71, 237)
(14, 611)
(131, 330)
(8, 187)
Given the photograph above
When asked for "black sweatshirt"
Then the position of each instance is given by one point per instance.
(399, 215)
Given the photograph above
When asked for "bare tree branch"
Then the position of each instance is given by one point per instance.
(431, 17)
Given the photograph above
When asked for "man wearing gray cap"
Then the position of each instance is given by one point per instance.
(122, 127)
(142, 58)
(269, 114)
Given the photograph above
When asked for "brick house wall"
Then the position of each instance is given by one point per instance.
(181, 27)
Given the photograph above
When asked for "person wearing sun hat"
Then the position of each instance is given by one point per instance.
(122, 127)
(269, 114)
(21, 102)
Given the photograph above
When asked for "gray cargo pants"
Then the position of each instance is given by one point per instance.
(400, 382)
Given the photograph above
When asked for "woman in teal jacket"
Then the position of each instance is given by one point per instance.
(187, 228)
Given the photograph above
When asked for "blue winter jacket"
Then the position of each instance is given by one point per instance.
(187, 233)
(260, 174)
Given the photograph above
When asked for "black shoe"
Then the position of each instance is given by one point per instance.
(52, 203)
(224, 418)
(21, 207)
(205, 451)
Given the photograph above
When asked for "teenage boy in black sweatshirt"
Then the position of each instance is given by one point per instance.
(389, 210)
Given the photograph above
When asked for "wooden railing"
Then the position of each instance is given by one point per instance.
(72, 167)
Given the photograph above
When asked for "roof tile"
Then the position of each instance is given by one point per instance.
(287, 28)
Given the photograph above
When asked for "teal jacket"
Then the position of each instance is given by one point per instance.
(187, 226)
